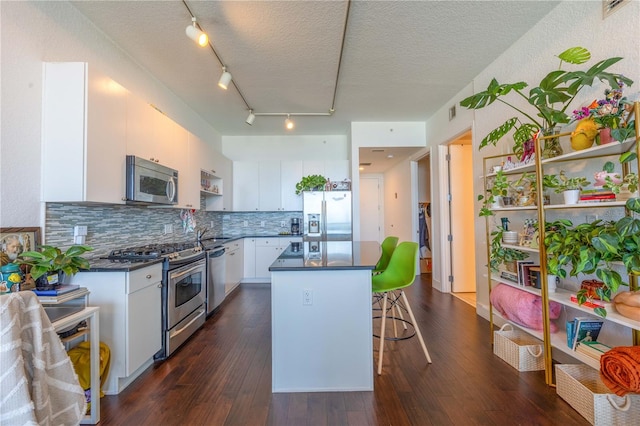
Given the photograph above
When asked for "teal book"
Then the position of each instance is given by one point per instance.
(570, 333)
(586, 330)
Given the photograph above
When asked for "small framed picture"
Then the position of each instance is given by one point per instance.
(14, 241)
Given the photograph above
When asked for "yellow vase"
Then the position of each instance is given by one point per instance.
(584, 135)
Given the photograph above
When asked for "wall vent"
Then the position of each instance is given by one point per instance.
(452, 113)
(365, 164)
(611, 6)
(377, 150)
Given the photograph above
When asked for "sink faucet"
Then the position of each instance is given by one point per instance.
(200, 233)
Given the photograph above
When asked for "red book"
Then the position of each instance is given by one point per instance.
(588, 304)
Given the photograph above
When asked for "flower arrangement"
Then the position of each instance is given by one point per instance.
(608, 112)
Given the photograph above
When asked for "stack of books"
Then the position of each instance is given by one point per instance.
(583, 330)
(57, 290)
(592, 349)
(597, 195)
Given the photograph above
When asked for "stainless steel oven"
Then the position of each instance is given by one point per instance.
(185, 302)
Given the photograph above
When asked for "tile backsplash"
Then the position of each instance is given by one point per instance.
(114, 226)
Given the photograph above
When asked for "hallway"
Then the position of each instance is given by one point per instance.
(222, 376)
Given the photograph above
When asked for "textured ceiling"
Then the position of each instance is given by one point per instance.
(402, 59)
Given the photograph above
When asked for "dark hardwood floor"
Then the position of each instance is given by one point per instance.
(222, 376)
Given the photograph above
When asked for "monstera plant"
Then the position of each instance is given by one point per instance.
(547, 102)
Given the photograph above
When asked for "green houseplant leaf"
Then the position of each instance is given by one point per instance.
(51, 259)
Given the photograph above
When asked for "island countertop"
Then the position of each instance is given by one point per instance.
(328, 255)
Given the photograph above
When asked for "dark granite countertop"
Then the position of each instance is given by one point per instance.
(328, 255)
(106, 265)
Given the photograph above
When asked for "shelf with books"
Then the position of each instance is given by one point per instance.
(590, 205)
(497, 278)
(564, 297)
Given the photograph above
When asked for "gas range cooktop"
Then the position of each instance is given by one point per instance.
(170, 251)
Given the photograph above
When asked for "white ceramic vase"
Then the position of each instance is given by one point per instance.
(571, 196)
(552, 283)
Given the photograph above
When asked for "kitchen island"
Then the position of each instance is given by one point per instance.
(321, 318)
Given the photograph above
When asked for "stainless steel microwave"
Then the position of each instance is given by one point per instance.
(150, 183)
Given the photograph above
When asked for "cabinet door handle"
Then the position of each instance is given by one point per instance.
(160, 285)
(149, 276)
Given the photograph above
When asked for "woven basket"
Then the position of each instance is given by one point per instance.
(581, 387)
(520, 350)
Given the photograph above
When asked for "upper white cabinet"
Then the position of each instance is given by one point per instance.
(290, 175)
(271, 185)
(246, 175)
(83, 134)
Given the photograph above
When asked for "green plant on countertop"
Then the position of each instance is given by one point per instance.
(51, 259)
(550, 99)
(311, 182)
(499, 254)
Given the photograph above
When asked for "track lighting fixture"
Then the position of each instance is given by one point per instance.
(288, 123)
(225, 78)
(250, 118)
(194, 33)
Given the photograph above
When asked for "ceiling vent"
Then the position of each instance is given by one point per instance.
(611, 6)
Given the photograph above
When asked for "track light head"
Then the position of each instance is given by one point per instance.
(194, 33)
(225, 78)
(288, 123)
(251, 118)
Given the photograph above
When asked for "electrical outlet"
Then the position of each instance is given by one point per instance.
(262, 223)
(168, 229)
(282, 224)
(245, 223)
(211, 225)
(307, 297)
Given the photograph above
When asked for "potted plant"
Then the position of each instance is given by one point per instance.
(503, 255)
(311, 183)
(550, 100)
(608, 114)
(499, 188)
(569, 186)
(50, 261)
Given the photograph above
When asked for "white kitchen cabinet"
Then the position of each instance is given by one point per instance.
(290, 175)
(130, 319)
(234, 265)
(188, 175)
(249, 258)
(83, 134)
(267, 251)
(154, 136)
(210, 171)
(269, 186)
(246, 175)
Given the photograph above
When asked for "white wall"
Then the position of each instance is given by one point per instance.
(285, 147)
(37, 32)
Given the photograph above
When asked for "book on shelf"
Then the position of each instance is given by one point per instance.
(509, 276)
(593, 349)
(526, 273)
(571, 331)
(520, 268)
(588, 304)
(586, 330)
(58, 291)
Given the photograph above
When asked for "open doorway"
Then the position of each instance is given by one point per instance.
(425, 231)
(461, 218)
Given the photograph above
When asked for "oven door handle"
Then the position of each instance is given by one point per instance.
(176, 332)
(183, 273)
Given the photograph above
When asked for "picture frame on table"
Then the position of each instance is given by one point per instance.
(16, 240)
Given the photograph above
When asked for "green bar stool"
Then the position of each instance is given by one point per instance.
(388, 246)
(388, 286)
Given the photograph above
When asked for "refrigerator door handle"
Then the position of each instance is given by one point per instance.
(323, 219)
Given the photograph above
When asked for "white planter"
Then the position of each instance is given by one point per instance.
(571, 196)
(552, 283)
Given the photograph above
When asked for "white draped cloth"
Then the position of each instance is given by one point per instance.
(38, 385)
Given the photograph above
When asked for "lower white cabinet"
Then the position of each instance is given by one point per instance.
(234, 265)
(130, 319)
(267, 251)
(249, 258)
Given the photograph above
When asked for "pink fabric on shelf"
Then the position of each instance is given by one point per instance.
(523, 308)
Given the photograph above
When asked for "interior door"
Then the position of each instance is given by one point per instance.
(370, 209)
(462, 219)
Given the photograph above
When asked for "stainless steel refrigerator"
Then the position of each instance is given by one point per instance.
(327, 215)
